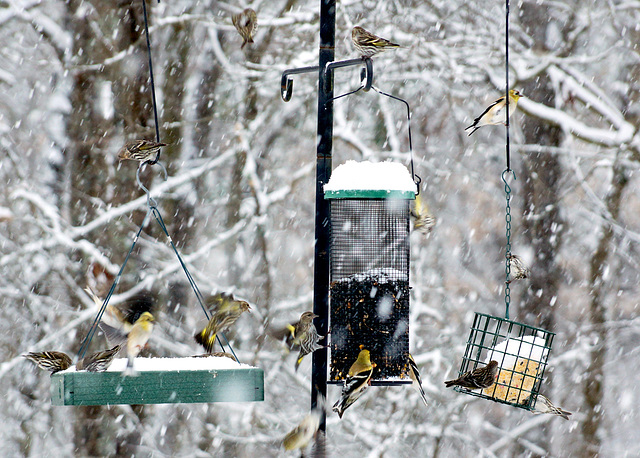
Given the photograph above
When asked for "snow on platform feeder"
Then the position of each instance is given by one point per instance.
(521, 352)
(160, 381)
(369, 268)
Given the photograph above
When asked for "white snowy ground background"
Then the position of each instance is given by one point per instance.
(239, 203)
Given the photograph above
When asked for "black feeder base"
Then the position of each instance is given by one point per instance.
(521, 351)
(370, 311)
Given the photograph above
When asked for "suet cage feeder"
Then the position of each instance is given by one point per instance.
(521, 351)
(369, 275)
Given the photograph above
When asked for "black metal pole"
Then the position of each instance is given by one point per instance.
(323, 210)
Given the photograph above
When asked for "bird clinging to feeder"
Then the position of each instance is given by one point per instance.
(519, 270)
(356, 383)
(496, 113)
(414, 375)
(547, 407)
(305, 336)
(140, 150)
(480, 378)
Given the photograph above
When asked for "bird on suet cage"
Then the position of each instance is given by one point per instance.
(480, 378)
(546, 406)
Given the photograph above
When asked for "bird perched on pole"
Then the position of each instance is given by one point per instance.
(496, 113)
(140, 150)
(246, 24)
(99, 361)
(357, 381)
(225, 311)
(547, 407)
(304, 335)
(368, 44)
(52, 361)
(518, 269)
(414, 375)
(480, 378)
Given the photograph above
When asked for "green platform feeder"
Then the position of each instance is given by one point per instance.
(160, 381)
(369, 268)
(521, 351)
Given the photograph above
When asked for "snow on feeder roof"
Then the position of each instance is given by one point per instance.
(160, 381)
(372, 180)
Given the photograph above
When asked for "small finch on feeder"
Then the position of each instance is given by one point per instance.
(52, 361)
(305, 336)
(135, 339)
(99, 361)
(480, 378)
(518, 269)
(226, 310)
(301, 436)
(246, 24)
(356, 383)
(547, 407)
(496, 113)
(414, 375)
(140, 150)
(368, 44)
(423, 220)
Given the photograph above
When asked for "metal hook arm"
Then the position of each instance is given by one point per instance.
(286, 83)
(349, 63)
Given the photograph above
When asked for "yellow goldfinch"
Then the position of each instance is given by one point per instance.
(52, 361)
(414, 375)
(423, 220)
(356, 382)
(137, 339)
(496, 113)
(547, 407)
(225, 311)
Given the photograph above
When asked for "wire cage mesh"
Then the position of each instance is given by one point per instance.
(521, 351)
(369, 291)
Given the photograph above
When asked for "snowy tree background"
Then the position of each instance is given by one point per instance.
(239, 204)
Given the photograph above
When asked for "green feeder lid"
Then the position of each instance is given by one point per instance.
(369, 180)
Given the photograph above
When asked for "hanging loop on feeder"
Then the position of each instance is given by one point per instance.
(349, 63)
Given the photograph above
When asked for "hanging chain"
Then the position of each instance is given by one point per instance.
(507, 268)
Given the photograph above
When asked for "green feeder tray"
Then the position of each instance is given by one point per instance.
(242, 384)
(521, 351)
